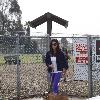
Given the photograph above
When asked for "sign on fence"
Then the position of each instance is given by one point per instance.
(97, 50)
(81, 58)
(96, 58)
(81, 53)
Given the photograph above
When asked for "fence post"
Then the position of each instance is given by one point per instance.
(48, 41)
(17, 70)
(90, 84)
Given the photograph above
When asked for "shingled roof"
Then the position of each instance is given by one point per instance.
(49, 18)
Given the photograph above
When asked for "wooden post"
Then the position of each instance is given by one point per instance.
(49, 26)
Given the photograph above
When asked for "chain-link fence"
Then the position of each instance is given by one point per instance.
(23, 72)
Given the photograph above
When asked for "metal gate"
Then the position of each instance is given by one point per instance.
(23, 72)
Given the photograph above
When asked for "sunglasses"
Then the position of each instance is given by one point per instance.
(54, 44)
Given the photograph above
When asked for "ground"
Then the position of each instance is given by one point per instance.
(70, 98)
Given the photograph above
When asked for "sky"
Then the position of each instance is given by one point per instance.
(83, 15)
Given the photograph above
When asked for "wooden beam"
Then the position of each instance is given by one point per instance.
(49, 27)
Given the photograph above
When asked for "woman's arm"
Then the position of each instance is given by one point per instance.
(48, 62)
(47, 59)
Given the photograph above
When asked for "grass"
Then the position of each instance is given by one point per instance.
(26, 58)
(31, 58)
(2, 61)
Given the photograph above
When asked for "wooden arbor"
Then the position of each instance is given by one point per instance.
(49, 18)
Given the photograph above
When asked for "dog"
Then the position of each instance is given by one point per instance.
(51, 96)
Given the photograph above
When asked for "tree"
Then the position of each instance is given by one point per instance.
(15, 8)
(4, 6)
(64, 42)
(11, 16)
(31, 47)
(15, 13)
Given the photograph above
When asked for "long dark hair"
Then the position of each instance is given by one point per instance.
(58, 47)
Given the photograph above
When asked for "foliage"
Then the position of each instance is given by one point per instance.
(15, 8)
(31, 47)
(10, 19)
(64, 42)
(26, 58)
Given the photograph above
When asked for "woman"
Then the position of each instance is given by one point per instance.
(56, 63)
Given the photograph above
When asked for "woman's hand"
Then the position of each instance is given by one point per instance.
(51, 66)
(64, 71)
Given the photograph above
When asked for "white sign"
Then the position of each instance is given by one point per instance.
(81, 58)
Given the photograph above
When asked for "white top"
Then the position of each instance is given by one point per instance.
(53, 60)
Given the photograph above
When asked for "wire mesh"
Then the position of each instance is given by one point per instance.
(23, 71)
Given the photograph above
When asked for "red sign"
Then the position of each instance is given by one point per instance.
(81, 53)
